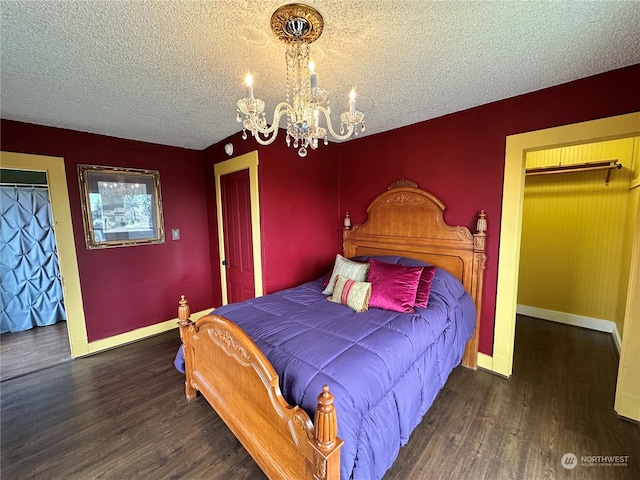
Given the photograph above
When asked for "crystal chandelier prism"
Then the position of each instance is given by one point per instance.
(306, 104)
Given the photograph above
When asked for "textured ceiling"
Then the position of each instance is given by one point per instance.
(170, 72)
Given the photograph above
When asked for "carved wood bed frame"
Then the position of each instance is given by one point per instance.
(236, 378)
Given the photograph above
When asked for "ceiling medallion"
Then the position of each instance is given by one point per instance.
(306, 103)
(297, 22)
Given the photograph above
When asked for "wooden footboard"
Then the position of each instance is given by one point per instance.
(235, 377)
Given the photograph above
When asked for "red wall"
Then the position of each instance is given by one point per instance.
(131, 287)
(299, 217)
(460, 157)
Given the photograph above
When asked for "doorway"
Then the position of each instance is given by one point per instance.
(248, 162)
(34, 332)
(517, 146)
(60, 206)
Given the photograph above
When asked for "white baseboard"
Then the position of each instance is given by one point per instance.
(598, 324)
(617, 338)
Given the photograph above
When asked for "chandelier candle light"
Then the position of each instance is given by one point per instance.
(298, 26)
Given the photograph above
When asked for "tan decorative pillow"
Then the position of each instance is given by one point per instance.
(351, 293)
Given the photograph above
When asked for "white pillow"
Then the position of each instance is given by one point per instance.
(356, 271)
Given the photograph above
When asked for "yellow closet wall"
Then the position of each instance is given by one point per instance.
(577, 232)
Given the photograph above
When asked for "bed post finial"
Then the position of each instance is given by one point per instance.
(186, 331)
(481, 225)
(183, 310)
(326, 444)
(326, 422)
(481, 233)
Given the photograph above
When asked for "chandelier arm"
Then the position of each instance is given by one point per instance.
(335, 135)
(281, 109)
(268, 140)
(264, 131)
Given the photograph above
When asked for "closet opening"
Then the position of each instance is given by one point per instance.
(33, 318)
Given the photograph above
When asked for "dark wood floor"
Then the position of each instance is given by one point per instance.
(122, 414)
(32, 350)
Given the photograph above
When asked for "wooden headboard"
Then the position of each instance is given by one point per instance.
(409, 222)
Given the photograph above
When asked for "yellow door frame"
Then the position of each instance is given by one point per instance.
(61, 211)
(243, 162)
(517, 146)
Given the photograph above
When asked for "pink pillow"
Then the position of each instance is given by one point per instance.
(393, 287)
(424, 286)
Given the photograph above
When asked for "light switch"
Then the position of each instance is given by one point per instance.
(175, 234)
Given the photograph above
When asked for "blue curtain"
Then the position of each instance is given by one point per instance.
(31, 288)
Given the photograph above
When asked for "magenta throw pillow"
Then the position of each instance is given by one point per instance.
(393, 287)
(424, 286)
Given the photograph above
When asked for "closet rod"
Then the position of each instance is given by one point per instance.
(575, 167)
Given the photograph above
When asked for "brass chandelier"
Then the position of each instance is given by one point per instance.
(306, 103)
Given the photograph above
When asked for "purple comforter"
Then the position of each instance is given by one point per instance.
(384, 368)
